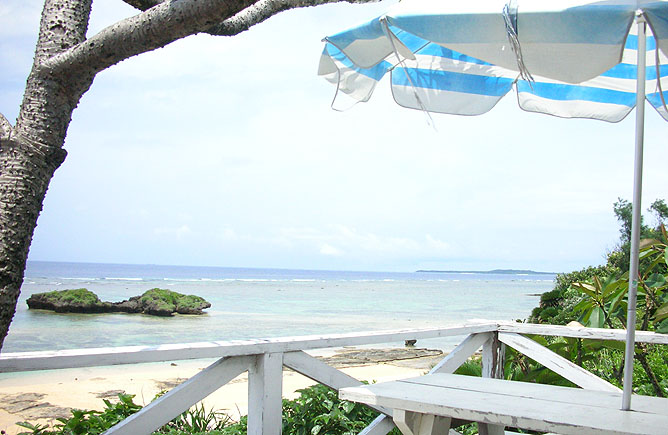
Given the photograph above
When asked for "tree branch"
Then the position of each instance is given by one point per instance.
(164, 22)
(143, 5)
(5, 127)
(263, 9)
(252, 15)
(151, 29)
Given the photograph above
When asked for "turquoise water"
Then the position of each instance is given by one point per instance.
(260, 303)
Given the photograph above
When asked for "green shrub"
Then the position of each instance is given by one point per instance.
(317, 410)
(88, 422)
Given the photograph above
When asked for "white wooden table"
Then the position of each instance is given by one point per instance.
(425, 405)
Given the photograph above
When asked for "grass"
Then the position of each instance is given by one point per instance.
(79, 296)
(172, 301)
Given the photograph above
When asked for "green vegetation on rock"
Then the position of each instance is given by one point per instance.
(165, 302)
(78, 300)
(157, 302)
(74, 296)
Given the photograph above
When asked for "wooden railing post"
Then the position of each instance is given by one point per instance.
(493, 358)
(265, 394)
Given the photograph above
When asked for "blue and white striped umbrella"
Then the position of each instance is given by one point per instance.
(457, 58)
(571, 58)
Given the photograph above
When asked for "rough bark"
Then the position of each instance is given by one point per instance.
(63, 70)
(32, 150)
(247, 18)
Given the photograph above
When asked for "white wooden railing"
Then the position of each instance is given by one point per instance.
(264, 361)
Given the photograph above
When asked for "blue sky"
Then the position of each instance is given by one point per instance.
(225, 152)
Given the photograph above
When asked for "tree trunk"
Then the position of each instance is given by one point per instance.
(64, 68)
(31, 151)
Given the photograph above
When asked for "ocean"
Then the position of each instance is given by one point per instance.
(261, 303)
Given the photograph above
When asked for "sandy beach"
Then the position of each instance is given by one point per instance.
(45, 395)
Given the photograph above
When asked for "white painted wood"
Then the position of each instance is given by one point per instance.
(164, 409)
(491, 429)
(448, 364)
(313, 368)
(406, 422)
(493, 359)
(25, 361)
(461, 353)
(432, 394)
(413, 423)
(380, 426)
(265, 395)
(434, 425)
(581, 332)
(556, 363)
(566, 395)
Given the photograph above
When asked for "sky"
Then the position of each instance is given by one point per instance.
(224, 151)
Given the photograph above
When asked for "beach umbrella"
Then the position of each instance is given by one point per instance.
(572, 59)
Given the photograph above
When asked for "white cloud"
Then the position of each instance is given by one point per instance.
(238, 132)
(229, 234)
(341, 240)
(328, 249)
(179, 232)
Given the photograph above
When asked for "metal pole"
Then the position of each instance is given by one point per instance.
(635, 223)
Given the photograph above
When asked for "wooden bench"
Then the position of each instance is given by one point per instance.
(425, 405)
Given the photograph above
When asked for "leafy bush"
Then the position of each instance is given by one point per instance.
(317, 410)
(557, 306)
(88, 422)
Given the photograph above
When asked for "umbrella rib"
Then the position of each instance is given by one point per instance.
(389, 34)
(510, 20)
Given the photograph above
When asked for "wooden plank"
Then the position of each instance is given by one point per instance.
(461, 353)
(581, 332)
(412, 423)
(180, 398)
(449, 364)
(501, 409)
(26, 361)
(380, 426)
(554, 393)
(313, 368)
(556, 363)
(406, 422)
(265, 395)
(493, 358)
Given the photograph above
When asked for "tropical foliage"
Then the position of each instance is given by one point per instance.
(317, 410)
(597, 297)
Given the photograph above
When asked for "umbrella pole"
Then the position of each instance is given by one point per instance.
(635, 223)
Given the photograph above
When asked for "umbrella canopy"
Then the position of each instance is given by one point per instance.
(572, 59)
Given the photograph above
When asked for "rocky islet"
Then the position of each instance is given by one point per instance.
(156, 302)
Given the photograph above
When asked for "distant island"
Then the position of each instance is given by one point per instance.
(495, 271)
